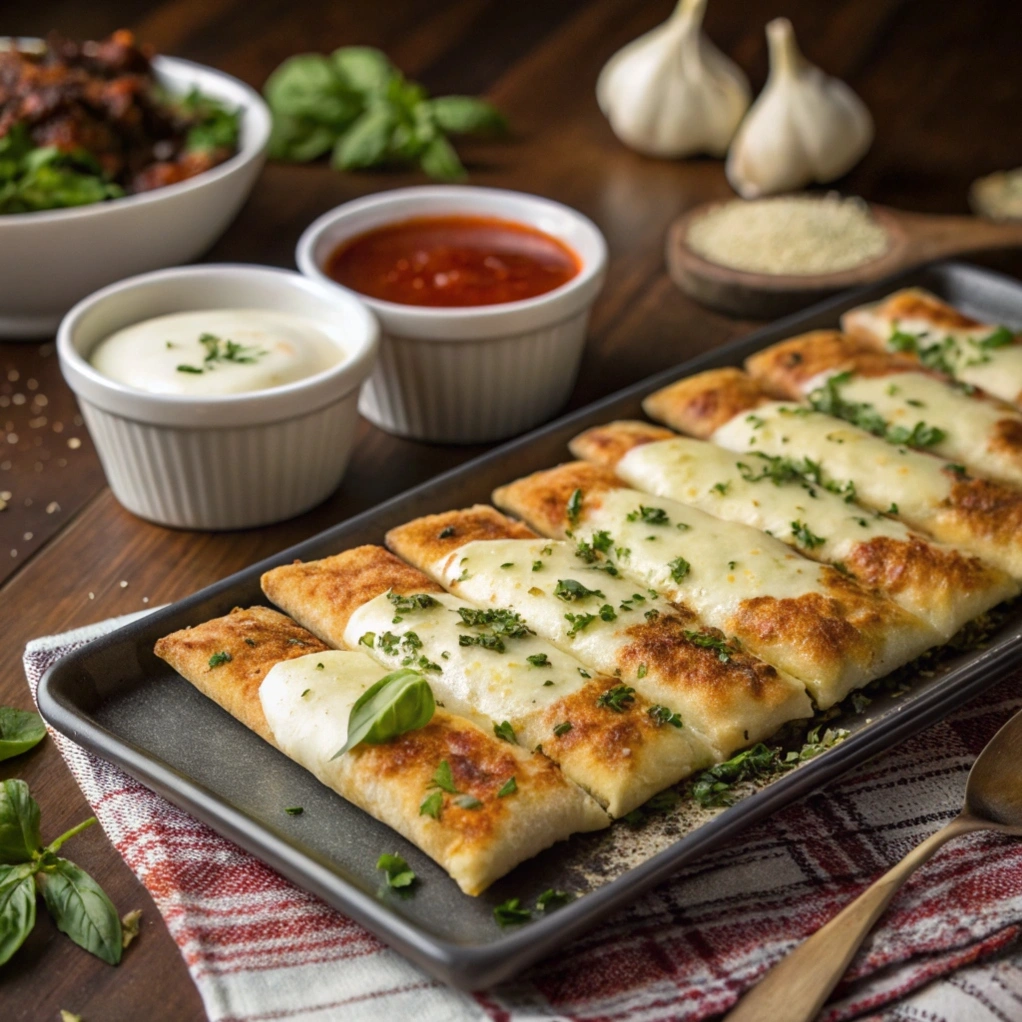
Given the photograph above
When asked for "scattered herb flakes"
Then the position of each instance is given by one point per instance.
(721, 488)
(399, 873)
(574, 507)
(552, 899)
(468, 802)
(563, 728)
(431, 805)
(505, 732)
(547, 684)
(607, 613)
(805, 537)
(958, 470)
(308, 691)
(649, 515)
(579, 623)
(651, 615)
(539, 660)
(218, 350)
(494, 643)
(893, 509)
(508, 564)
(569, 589)
(679, 568)
(294, 810)
(413, 602)
(446, 532)
(444, 779)
(664, 715)
(583, 672)
(511, 912)
(509, 787)
(708, 641)
(641, 672)
(249, 642)
(367, 639)
(503, 622)
(537, 565)
(619, 698)
(319, 667)
(218, 659)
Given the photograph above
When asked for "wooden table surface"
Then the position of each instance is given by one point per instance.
(942, 79)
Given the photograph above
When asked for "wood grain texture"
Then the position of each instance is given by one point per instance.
(941, 78)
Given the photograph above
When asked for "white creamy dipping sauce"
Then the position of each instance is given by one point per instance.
(216, 351)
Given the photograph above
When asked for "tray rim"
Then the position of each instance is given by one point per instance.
(468, 966)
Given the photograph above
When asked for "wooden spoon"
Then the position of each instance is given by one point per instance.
(796, 988)
(914, 239)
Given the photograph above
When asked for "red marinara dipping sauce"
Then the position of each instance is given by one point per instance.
(446, 261)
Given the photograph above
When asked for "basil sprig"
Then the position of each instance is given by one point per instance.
(77, 903)
(357, 106)
(399, 702)
(20, 730)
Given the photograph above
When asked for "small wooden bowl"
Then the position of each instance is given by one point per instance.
(914, 239)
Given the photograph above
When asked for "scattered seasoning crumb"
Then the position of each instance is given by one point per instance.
(52, 507)
(92, 596)
(294, 810)
(27, 537)
(124, 585)
(130, 926)
(74, 443)
(145, 599)
(794, 234)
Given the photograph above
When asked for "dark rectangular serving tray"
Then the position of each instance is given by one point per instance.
(115, 698)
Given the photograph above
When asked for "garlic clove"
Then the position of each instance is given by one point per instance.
(671, 92)
(805, 127)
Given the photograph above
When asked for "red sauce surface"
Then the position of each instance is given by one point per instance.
(453, 261)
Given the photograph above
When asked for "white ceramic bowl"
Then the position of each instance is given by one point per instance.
(469, 375)
(220, 462)
(52, 259)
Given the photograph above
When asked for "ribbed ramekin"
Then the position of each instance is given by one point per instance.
(220, 462)
(469, 375)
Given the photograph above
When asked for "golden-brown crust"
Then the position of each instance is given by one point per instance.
(914, 303)
(254, 639)
(720, 686)
(541, 499)
(784, 369)
(606, 445)
(701, 404)
(323, 594)
(1006, 441)
(426, 540)
(918, 566)
(989, 510)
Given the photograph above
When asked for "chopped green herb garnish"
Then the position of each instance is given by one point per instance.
(505, 731)
(413, 602)
(552, 899)
(563, 728)
(223, 657)
(468, 802)
(443, 778)
(294, 810)
(569, 589)
(607, 612)
(367, 639)
(399, 874)
(721, 488)
(509, 787)
(805, 537)
(537, 565)
(664, 715)
(507, 623)
(574, 508)
(511, 913)
(432, 805)
(619, 698)
(708, 641)
(649, 515)
(579, 623)
(679, 568)
(641, 672)
(494, 643)
(539, 660)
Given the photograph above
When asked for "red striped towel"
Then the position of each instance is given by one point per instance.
(259, 948)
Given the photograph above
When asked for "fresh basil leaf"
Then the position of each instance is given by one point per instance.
(440, 161)
(17, 907)
(19, 823)
(399, 702)
(20, 730)
(81, 909)
(308, 86)
(298, 140)
(365, 143)
(466, 115)
(364, 69)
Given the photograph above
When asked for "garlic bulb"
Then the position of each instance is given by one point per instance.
(671, 92)
(805, 126)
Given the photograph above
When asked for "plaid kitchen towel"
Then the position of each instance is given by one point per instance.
(259, 948)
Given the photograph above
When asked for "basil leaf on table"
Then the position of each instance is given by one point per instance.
(20, 730)
(363, 68)
(461, 115)
(308, 86)
(19, 823)
(439, 160)
(366, 142)
(399, 702)
(300, 140)
(17, 907)
(81, 909)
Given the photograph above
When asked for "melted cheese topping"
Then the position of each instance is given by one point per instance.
(969, 423)
(307, 708)
(472, 681)
(167, 355)
(692, 471)
(884, 475)
(997, 370)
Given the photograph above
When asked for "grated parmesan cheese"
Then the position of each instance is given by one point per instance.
(798, 235)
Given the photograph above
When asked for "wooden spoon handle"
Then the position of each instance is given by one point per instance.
(796, 988)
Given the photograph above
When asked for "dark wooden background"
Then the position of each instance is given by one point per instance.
(943, 79)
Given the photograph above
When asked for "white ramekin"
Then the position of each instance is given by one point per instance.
(220, 462)
(52, 259)
(469, 375)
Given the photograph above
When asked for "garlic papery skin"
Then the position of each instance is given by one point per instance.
(805, 126)
(671, 92)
